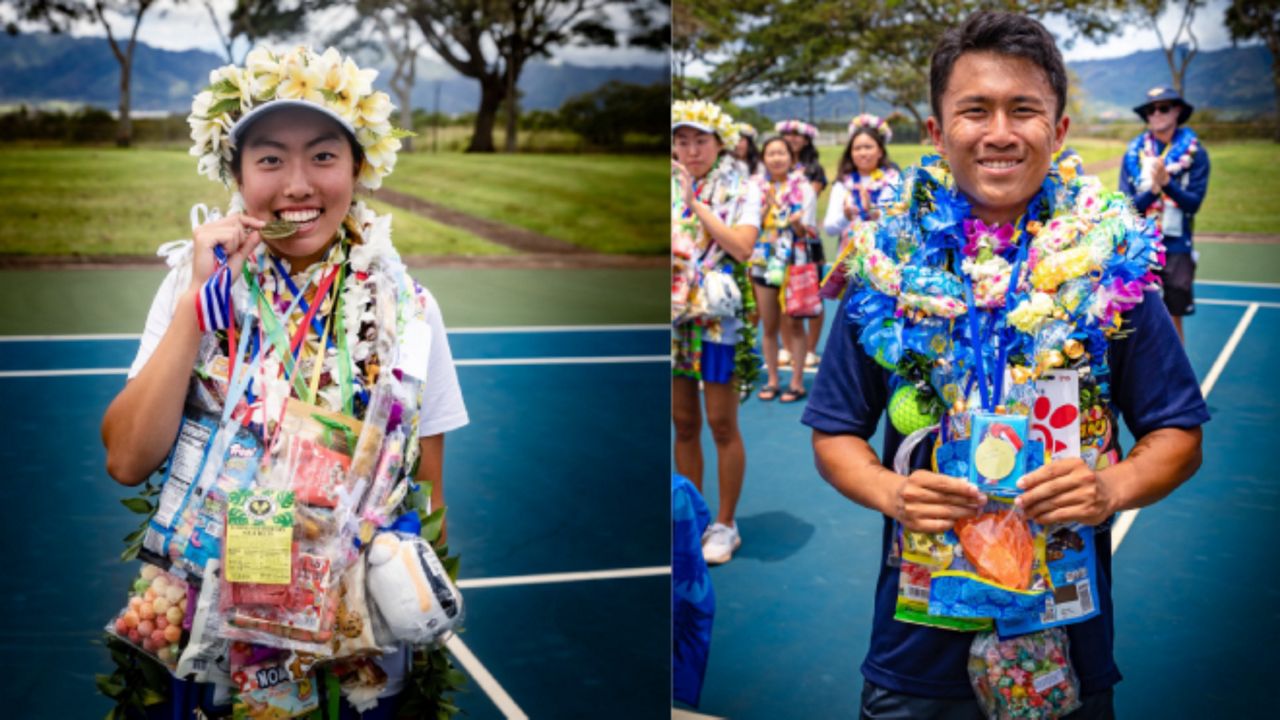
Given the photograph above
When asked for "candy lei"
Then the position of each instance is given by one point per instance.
(721, 190)
(788, 197)
(1087, 260)
(374, 308)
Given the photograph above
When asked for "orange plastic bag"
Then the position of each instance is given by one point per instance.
(1000, 547)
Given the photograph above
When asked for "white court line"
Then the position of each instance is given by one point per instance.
(1238, 303)
(678, 714)
(564, 577)
(557, 328)
(452, 331)
(1126, 518)
(1238, 283)
(484, 679)
(481, 362)
(601, 359)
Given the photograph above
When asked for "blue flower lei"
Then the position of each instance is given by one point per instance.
(1050, 318)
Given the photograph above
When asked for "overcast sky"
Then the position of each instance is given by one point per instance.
(188, 26)
(1208, 26)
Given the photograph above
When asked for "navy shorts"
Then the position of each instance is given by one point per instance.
(881, 704)
(1176, 278)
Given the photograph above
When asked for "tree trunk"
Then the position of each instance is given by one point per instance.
(124, 128)
(492, 88)
(513, 109)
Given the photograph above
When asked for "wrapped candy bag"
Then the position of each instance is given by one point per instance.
(1027, 677)
(152, 620)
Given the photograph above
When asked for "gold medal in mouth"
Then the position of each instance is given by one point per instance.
(278, 230)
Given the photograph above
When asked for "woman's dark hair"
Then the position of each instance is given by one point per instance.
(764, 147)
(846, 161)
(753, 155)
(1003, 33)
(808, 154)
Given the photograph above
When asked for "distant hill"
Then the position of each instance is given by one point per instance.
(39, 68)
(1234, 81)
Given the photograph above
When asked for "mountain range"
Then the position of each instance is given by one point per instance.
(1235, 82)
(39, 68)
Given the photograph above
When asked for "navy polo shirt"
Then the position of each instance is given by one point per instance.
(850, 395)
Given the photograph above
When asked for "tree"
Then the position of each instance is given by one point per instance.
(492, 40)
(57, 16)
(1177, 52)
(604, 116)
(383, 27)
(1259, 19)
(254, 20)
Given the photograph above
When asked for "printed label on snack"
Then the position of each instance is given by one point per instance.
(259, 536)
(187, 456)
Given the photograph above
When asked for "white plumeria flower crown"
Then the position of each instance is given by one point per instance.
(705, 116)
(328, 82)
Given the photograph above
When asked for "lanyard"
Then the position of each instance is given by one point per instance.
(295, 292)
(991, 392)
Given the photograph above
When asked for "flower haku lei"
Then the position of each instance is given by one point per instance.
(707, 115)
(874, 123)
(796, 126)
(327, 79)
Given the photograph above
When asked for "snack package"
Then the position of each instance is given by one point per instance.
(998, 571)
(316, 446)
(185, 460)
(1072, 565)
(206, 657)
(261, 668)
(1026, 677)
(284, 700)
(923, 554)
(298, 614)
(152, 620)
(198, 537)
(353, 625)
(412, 592)
(362, 680)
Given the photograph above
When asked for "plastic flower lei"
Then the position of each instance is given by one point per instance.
(1177, 158)
(796, 126)
(325, 79)
(1080, 256)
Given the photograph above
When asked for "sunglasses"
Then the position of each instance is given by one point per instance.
(1163, 108)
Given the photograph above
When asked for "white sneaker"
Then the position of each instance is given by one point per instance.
(784, 357)
(811, 360)
(719, 543)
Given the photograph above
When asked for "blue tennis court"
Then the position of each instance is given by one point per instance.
(555, 508)
(1195, 589)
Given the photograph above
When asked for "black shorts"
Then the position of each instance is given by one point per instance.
(817, 255)
(1176, 278)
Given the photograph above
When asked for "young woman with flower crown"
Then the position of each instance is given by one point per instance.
(296, 298)
(866, 177)
(801, 136)
(790, 213)
(715, 219)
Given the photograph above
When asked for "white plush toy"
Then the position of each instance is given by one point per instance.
(411, 589)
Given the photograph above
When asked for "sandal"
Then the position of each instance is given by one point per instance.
(790, 396)
(768, 392)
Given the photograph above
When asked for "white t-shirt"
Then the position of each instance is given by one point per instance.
(442, 406)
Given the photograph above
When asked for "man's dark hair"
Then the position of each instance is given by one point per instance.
(998, 32)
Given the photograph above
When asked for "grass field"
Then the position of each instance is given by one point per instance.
(104, 201)
(1244, 180)
(608, 203)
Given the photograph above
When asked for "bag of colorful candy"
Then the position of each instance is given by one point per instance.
(1026, 677)
(152, 621)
